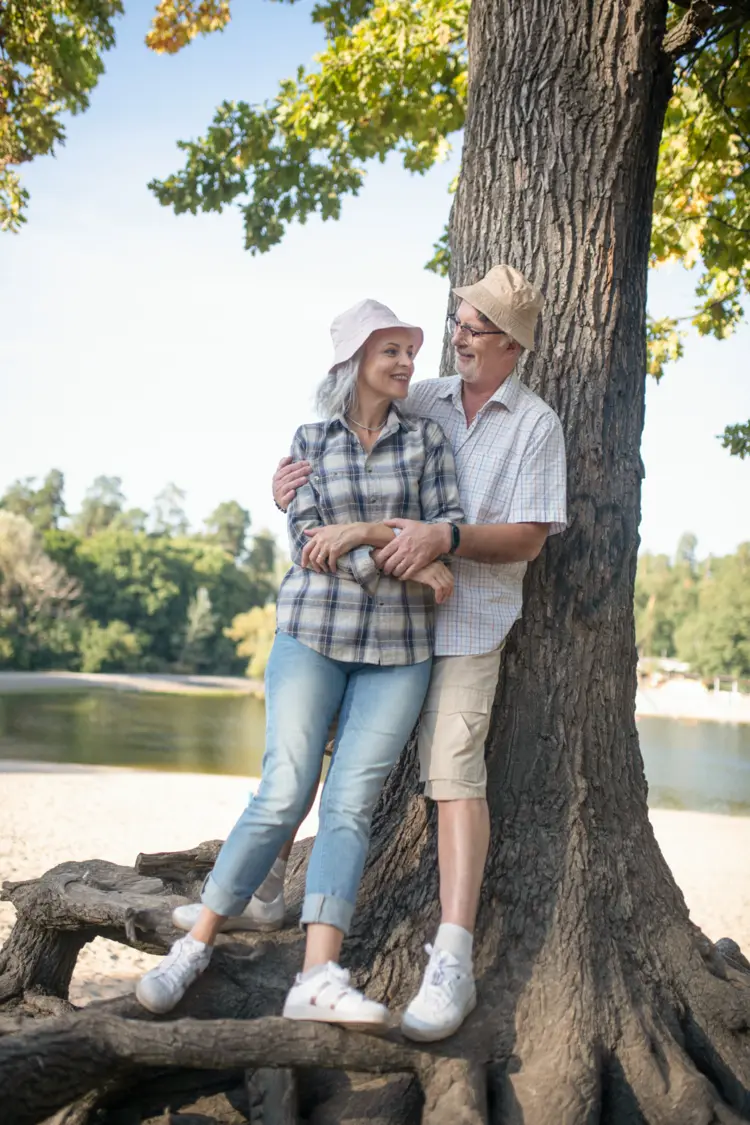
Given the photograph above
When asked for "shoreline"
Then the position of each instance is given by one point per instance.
(676, 699)
(691, 702)
(154, 683)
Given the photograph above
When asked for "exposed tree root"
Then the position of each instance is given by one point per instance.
(272, 1096)
(42, 1071)
(560, 1027)
(667, 1087)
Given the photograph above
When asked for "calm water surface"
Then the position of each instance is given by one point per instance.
(689, 765)
(189, 733)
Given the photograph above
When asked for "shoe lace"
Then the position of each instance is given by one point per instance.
(337, 981)
(177, 958)
(442, 971)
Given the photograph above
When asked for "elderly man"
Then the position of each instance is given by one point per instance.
(510, 456)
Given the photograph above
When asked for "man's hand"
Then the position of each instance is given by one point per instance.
(416, 547)
(327, 545)
(289, 476)
(436, 575)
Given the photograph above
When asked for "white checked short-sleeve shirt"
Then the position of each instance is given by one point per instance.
(511, 469)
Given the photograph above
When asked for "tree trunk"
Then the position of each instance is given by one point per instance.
(599, 1001)
(608, 1004)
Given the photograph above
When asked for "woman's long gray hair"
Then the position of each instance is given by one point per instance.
(337, 392)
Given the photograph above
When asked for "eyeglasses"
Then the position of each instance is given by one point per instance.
(455, 325)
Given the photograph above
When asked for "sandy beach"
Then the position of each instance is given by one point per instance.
(161, 684)
(53, 813)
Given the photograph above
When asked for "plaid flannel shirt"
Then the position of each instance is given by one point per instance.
(359, 614)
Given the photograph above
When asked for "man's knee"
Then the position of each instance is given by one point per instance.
(475, 806)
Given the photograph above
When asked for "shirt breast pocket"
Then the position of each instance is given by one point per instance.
(491, 490)
(335, 495)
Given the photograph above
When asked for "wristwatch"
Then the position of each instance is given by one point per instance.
(455, 538)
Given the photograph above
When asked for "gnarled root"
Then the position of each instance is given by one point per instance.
(42, 1071)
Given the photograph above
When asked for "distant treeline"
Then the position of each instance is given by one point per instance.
(696, 611)
(112, 588)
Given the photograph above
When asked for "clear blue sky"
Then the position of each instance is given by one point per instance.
(138, 344)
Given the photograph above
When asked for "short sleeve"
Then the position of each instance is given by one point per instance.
(540, 493)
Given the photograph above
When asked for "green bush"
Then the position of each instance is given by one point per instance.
(109, 648)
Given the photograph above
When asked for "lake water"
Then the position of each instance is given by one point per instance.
(689, 765)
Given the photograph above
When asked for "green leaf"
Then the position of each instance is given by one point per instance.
(737, 439)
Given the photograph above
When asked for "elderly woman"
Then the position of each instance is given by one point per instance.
(349, 640)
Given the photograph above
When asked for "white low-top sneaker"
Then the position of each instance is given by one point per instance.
(324, 994)
(257, 915)
(162, 988)
(444, 1000)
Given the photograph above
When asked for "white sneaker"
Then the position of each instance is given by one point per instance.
(162, 988)
(443, 1002)
(325, 995)
(257, 915)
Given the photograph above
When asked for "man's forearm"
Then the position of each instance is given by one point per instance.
(502, 542)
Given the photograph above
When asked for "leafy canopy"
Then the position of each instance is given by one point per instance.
(119, 589)
(393, 79)
(43, 507)
(696, 611)
(50, 60)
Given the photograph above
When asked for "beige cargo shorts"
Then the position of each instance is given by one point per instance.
(454, 724)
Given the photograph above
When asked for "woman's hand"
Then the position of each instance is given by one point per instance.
(327, 545)
(438, 577)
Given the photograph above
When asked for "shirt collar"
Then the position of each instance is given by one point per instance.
(395, 420)
(507, 394)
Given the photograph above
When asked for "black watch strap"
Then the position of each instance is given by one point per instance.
(455, 538)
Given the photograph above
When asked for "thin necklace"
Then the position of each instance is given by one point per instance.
(370, 429)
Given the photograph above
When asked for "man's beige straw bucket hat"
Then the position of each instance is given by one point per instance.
(508, 300)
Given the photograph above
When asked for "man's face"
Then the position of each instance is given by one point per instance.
(479, 357)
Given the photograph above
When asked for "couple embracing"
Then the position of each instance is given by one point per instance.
(412, 515)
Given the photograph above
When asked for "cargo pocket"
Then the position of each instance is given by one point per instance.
(452, 734)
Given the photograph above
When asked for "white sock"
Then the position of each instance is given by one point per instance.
(455, 940)
(273, 884)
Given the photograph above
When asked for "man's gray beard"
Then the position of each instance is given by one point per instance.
(407, 407)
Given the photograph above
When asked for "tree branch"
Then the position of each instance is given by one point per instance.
(700, 17)
(43, 1070)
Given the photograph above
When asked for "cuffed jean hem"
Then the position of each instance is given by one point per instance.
(221, 901)
(451, 789)
(329, 910)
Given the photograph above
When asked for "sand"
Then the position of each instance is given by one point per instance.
(25, 682)
(54, 813)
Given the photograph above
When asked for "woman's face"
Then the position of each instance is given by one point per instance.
(388, 363)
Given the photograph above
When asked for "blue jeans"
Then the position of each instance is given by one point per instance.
(379, 705)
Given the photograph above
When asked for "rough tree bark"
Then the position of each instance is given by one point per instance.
(599, 1001)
